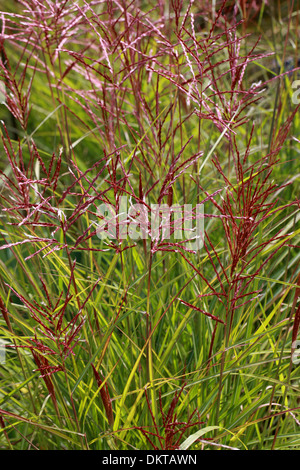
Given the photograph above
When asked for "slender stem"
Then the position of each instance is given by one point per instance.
(229, 316)
(149, 321)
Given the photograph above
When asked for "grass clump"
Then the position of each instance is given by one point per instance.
(125, 327)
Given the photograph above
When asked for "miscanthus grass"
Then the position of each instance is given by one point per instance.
(142, 341)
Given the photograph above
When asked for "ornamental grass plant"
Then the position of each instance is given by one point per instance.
(149, 193)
